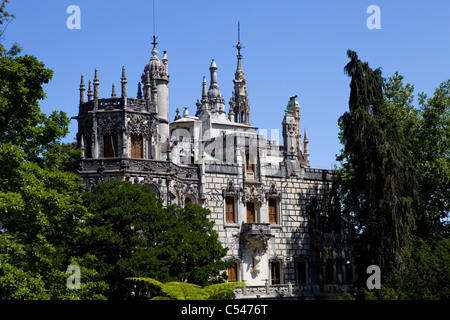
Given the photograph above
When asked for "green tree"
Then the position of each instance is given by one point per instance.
(426, 274)
(376, 181)
(133, 235)
(433, 164)
(40, 206)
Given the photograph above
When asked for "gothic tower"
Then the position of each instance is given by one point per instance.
(239, 106)
(155, 79)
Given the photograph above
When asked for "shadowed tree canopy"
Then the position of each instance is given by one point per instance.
(133, 235)
(376, 181)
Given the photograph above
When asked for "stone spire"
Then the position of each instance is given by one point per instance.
(96, 84)
(147, 86)
(204, 90)
(165, 61)
(239, 105)
(124, 83)
(90, 92)
(113, 93)
(82, 90)
(215, 99)
(306, 147)
(139, 92)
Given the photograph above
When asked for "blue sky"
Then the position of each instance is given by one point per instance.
(291, 48)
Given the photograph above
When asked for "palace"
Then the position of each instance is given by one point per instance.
(271, 209)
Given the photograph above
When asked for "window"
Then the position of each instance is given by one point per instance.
(249, 165)
(273, 212)
(329, 272)
(230, 211)
(275, 272)
(88, 146)
(187, 200)
(348, 272)
(110, 149)
(251, 216)
(301, 272)
(233, 274)
(137, 146)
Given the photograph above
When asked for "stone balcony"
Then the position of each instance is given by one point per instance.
(101, 166)
(256, 237)
(290, 291)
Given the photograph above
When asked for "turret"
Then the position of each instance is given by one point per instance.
(239, 106)
(215, 99)
(159, 81)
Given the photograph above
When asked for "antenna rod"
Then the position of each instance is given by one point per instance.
(154, 27)
(239, 31)
(239, 46)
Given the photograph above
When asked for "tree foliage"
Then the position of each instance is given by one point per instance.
(393, 182)
(189, 291)
(40, 207)
(133, 235)
(376, 182)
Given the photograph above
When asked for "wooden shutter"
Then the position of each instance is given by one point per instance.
(137, 148)
(273, 214)
(251, 212)
(233, 273)
(229, 209)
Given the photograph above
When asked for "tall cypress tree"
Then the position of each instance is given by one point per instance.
(376, 180)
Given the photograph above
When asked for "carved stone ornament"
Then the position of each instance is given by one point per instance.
(138, 124)
(109, 125)
(273, 192)
(253, 193)
(256, 237)
(230, 189)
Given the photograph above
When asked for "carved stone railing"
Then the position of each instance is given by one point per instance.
(110, 104)
(102, 166)
(289, 291)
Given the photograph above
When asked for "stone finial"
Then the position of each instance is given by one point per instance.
(147, 87)
(90, 92)
(96, 85)
(306, 145)
(204, 89)
(185, 113)
(113, 93)
(177, 116)
(139, 93)
(165, 61)
(82, 90)
(124, 83)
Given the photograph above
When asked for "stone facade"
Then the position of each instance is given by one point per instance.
(271, 209)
